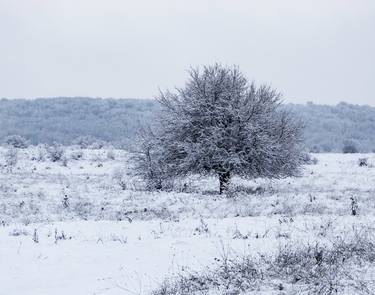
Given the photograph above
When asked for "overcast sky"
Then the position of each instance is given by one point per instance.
(311, 50)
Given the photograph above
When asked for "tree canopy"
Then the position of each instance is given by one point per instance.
(221, 124)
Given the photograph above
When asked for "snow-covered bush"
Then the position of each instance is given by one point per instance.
(89, 142)
(65, 202)
(314, 161)
(98, 156)
(336, 268)
(76, 155)
(64, 160)
(16, 232)
(35, 236)
(234, 191)
(55, 152)
(147, 161)
(350, 148)
(41, 153)
(315, 149)
(354, 205)
(84, 141)
(111, 155)
(11, 158)
(309, 160)
(60, 236)
(119, 238)
(363, 162)
(83, 209)
(119, 177)
(98, 144)
(16, 141)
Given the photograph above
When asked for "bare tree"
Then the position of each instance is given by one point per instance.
(221, 124)
(148, 160)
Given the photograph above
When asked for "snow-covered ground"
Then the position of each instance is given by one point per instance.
(90, 228)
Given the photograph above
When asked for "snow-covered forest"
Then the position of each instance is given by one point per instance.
(63, 120)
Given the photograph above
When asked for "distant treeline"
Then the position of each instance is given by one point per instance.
(331, 128)
(63, 120)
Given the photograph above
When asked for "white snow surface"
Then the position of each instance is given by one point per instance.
(76, 230)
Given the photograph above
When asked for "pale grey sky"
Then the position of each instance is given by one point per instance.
(317, 50)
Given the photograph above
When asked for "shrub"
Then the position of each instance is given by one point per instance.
(16, 232)
(76, 155)
(84, 141)
(55, 152)
(41, 153)
(88, 141)
(11, 158)
(110, 155)
(350, 148)
(334, 268)
(83, 209)
(363, 162)
(309, 160)
(354, 206)
(98, 144)
(147, 163)
(16, 141)
(64, 161)
(119, 176)
(315, 149)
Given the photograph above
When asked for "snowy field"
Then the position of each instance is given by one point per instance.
(88, 226)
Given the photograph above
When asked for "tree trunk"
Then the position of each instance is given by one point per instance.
(224, 181)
